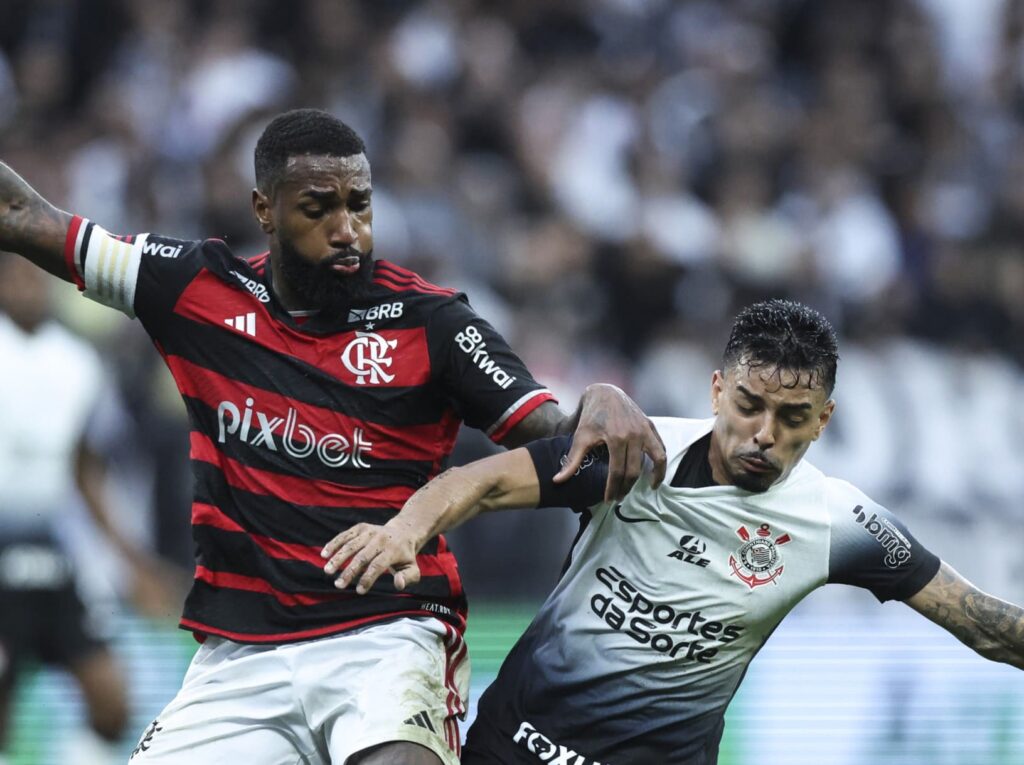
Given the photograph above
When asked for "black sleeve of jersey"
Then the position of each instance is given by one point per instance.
(583, 490)
(487, 383)
(871, 548)
(167, 267)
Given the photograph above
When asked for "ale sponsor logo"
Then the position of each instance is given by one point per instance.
(691, 550)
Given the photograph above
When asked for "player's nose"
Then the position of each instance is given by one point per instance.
(342, 233)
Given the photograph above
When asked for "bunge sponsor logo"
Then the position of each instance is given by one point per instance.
(471, 342)
(153, 247)
(295, 439)
(897, 546)
(366, 356)
(259, 291)
(687, 635)
(547, 750)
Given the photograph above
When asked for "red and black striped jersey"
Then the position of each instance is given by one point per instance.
(300, 429)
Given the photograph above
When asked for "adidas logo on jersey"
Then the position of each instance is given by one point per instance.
(421, 720)
(245, 322)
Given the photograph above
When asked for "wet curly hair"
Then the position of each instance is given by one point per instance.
(784, 335)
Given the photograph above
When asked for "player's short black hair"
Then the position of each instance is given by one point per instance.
(301, 132)
(784, 335)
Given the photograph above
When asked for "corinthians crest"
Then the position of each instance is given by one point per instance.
(758, 557)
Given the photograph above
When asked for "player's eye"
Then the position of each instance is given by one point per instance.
(313, 212)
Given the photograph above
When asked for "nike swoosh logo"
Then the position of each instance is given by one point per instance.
(621, 517)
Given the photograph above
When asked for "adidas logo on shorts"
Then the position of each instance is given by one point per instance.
(422, 720)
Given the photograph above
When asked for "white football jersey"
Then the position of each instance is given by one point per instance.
(665, 600)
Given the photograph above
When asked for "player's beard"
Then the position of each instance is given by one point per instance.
(318, 287)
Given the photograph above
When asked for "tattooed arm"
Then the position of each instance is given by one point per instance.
(31, 226)
(992, 627)
(607, 417)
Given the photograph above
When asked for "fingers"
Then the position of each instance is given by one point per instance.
(582, 442)
(365, 553)
(618, 462)
(654, 448)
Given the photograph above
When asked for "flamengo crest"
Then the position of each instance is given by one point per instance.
(367, 356)
(758, 555)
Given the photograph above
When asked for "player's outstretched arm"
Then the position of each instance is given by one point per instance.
(992, 627)
(606, 417)
(503, 481)
(31, 226)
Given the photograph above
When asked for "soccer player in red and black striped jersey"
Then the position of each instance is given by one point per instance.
(323, 388)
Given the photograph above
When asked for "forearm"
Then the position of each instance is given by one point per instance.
(500, 482)
(999, 628)
(31, 226)
(445, 502)
(988, 625)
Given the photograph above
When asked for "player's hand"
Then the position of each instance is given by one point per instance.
(370, 551)
(611, 418)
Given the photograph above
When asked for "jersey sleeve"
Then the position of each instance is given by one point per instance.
(487, 383)
(140, 275)
(584, 489)
(871, 548)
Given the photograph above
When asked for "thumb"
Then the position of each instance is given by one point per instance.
(572, 461)
(407, 576)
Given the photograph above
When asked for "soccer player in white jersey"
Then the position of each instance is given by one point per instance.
(668, 595)
(51, 389)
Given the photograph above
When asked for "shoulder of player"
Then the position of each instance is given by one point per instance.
(679, 433)
(396, 279)
(844, 501)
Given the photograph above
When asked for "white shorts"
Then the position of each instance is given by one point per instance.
(318, 701)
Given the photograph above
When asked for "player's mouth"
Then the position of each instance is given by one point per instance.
(346, 265)
(758, 465)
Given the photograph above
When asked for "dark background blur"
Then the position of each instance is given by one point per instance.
(609, 180)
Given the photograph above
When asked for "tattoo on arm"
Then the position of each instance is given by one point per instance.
(992, 627)
(31, 226)
(543, 422)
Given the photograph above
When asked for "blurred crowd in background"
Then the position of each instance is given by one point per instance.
(609, 180)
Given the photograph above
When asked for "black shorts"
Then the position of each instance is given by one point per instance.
(42, 617)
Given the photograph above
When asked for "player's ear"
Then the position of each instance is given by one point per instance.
(717, 386)
(261, 207)
(824, 417)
